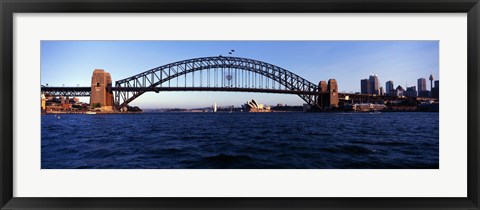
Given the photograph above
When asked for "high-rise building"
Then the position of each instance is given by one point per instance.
(422, 88)
(389, 88)
(436, 90)
(365, 86)
(380, 91)
(373, 79)
(422, 84)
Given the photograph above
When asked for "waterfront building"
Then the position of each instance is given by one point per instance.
(67, 106)
(436, 90)
(411, 92)
(389, 88)
(399, 91)
(365, 86)
(253, 106)
(43, 102)
(62, 99)
(380, 91)
(368, 107)
(425, 94)
(373, 79)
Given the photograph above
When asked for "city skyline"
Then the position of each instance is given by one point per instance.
(372, 86)
(71, 63)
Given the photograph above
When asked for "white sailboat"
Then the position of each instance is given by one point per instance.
(215, 107)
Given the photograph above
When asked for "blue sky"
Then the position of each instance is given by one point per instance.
(71, 63)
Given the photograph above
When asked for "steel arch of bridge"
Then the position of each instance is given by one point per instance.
(246, 75)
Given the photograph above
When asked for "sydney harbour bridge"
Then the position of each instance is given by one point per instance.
(219, 73)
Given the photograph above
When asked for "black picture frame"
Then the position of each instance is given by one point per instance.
(9, 7)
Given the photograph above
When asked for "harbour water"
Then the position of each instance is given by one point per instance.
(290, 140)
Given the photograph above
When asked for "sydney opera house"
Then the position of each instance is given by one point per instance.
(253, 106)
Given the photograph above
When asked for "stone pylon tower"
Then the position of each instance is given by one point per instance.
(332, 93)
(99, 94)
(327, 95)
(322, 91)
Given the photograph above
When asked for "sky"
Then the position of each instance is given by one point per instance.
(71, 63)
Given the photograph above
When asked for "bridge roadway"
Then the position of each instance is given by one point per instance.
(85, 91)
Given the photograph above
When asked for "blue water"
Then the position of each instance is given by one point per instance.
(241, 141)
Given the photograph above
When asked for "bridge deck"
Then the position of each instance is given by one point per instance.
(85, 91)
(226, 89)
(66, 91)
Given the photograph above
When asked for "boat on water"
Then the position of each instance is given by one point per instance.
(90, 112)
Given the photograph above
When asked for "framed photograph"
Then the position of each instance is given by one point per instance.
(239, 105)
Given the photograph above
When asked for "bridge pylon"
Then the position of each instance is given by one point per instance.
(100, 96)
(327, 98)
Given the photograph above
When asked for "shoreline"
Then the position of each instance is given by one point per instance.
(83, 113)
(106, 113)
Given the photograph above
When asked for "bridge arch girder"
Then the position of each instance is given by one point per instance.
(162, 75)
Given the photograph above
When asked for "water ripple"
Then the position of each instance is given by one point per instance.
(241, 141)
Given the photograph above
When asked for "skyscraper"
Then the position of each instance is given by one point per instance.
(422, 88)
(389, 88)
(431, 82)
(365, 86)
(422, 84)
(436, 90)
(373, 80)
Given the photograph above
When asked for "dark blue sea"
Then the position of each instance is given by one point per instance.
(290, 140)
